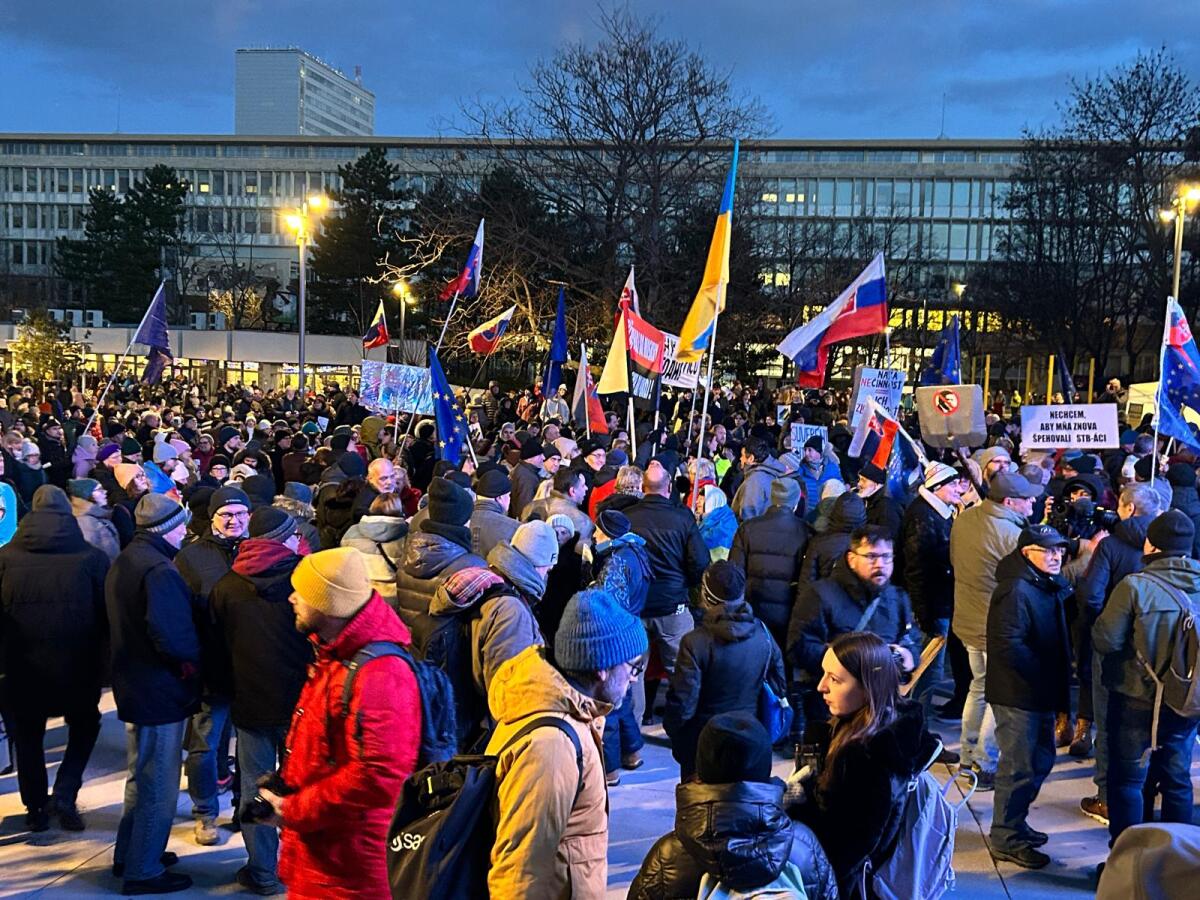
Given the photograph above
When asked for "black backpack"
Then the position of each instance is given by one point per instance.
(438, 739)
(441, 836)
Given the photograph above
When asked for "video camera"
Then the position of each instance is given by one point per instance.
(1081, 519)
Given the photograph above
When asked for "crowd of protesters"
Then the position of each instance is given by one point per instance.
(223, 560)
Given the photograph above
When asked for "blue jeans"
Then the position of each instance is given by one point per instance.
(1026, 741)
(203, 748)
(1167, 771)
(1100, 708)
(622, 735)
(978, 723)
(259, 751)
(932, 677)
(151, 796)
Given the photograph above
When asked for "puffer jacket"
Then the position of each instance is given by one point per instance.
(815, 478)
(720, 668)
(1116, 556)
(623, 567)
(857, 809)
(923, 567)
(97, 526)
(828, 547)
(53, 627)
(380, 540)
(1029, 651)
(429, 559)
(980, 537)
(1186, 499)
(1140, 618)
(490, 525)
(551, 836)
(346, 771)
(770, 549)
(678, 556)
(737, 833)
(753, 498)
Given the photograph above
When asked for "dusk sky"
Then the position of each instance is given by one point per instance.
(847, 69)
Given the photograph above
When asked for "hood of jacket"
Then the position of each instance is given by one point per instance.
(49, 531)
(527, 685)
(848, 513)
(380, 529)
(295, 508)
(739, 833)
(260, 557)
(771, 467)
(472, 585)
(1181, 571)
(374, 622)
(514, 566)
(1132, 531)
(369, 431)
(730, 621)
(425, 554)
(81, 508)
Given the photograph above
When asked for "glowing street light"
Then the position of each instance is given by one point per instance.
(1187, 197)
(303, 223)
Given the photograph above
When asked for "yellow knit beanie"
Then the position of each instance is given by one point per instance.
(333, 582)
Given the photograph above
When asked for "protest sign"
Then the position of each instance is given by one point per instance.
(1083, 426)
(951, 415)
(884, 385)
(386, 387)
(677, 374)
(802, 432)
(782, 411)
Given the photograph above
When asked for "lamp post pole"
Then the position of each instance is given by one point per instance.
(302, 243)
(302, 223)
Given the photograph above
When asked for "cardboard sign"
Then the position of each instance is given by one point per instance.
(951, 415)
(802, 432)
(782, 411)
(1086, 426)
(677, 374)
(885, 385)
(386, 387)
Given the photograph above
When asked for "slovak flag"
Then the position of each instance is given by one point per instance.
(377, 333)
(628, 300)
(486, 337)
(875, 419)
(467, 283)
(861, 309)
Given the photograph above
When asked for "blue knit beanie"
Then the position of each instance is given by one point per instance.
(596, 633)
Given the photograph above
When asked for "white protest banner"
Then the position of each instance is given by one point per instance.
(1083, 426)
(802, 432)
(677, 374)
(884, 385)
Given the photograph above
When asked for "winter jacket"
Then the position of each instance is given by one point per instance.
(560, 504)
(1186, 499)
(304, 514)
(429, 559)
(923, 566)
(346, 768)
(815, 477)
(551, 836)
(770, 549)
(335, 513)
(96, 523)
(362, 502)
(827, 548)
(980, 537)
(737, 833)
(720, 668)
(202, 564)
(56, 460)
(622, 566)
(884, 511)
(833, 606)
(490, 525)
(678, 556)
(1116, 556)
(155, 648)
(753, 498)
(380, 540)
(53, 628)
(1028, 649)
(267, 656)
(1140, 618)
(857, 810)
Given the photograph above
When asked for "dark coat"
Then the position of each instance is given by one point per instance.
(362, 503)
(720, 668)
(770, 548)
(885, 512)
(738, 833)
(857, 809)
(678, 555)
(828, 547)
(923, 568)
(1029, 651)
(429, 559)
(335, 511)
(53, 629)
(155, 648)
(267, 657)
(1187, 501)
(202, 564)
(1116, 556)
(832, 606)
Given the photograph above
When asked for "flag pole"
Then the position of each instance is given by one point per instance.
(712, 346)
(587, 413)
(446, 324)
(120, 363)
(1162, 351)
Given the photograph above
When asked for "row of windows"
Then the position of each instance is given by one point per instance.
(242, 151)
(987, 157)
(66, 218)
(942, 198)
(27, 253)
(215, 182)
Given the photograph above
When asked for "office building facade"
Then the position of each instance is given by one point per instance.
(291, 92)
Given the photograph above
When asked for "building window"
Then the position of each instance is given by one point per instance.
(77, 218)
(77, 181)
(770, 197)
(218, 183)
(251, 182)
(64, 218)
(18, 253)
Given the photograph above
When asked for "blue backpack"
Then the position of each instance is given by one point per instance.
(438, 727)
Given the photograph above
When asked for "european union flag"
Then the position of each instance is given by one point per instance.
(452, 427)
(945, 366)
(153, 333)
(1179, 385)
(558, 350)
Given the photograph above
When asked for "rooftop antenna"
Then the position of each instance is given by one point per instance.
(942, 133)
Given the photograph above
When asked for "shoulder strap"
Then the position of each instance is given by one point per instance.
(551, 722)
(868, 612)
(1184, 601)
(368, 652)
(767, 664)
(387, 559)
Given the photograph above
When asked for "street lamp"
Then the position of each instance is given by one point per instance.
(1187, 198)
(404, 294)
(303, 222)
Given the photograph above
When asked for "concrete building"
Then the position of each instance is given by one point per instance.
(288, 91)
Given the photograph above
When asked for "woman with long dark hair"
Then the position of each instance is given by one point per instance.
(851, 797)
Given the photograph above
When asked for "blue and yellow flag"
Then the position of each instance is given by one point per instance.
(710, 299)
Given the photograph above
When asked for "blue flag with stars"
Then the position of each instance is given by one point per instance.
(945, 365)
(1180, 382)
(452, 427)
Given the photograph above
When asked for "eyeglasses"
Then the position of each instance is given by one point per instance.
(636, 668)
(1049, 551)
(875, 557)
(233, 516)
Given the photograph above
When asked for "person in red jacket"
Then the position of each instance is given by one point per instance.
(343, 772)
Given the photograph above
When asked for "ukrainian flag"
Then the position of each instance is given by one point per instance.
(710, 299)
